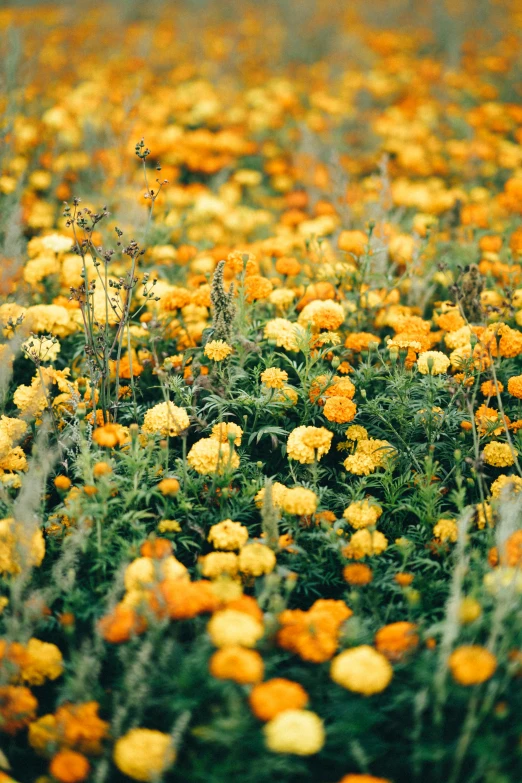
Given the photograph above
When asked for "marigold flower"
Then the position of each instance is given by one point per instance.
(256, 559)
(68, 766)
(145, 571)
(489, 389)
(356, 432)
(469, 610)
(432, 363)
(396, 639)
(357, 574)
(144, 754)
(299, 501)
(472, 664)
(228, 535)
(339, 409)
(17, 708)
(403, 579)
(307, 444)
(20, 546)
(43, 662)
(361, 670)
(121, 624)
(217, 350)
(284, 333)
(111, 435)
(355, 778)
(169, 486)
(230, 627)
(270, 698)
(313, 635)
(298, 732)
(241, 665)
(322, 314)
(365, 543)
(208, 456)
(509, 485)
(446, 530)
(362, 513)
(500, 455)
(216, 564)
(165, 419)
(62, 483)
(274, 378)
(515, 386)
(223, 432)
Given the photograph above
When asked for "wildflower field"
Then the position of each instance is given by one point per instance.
(261, 392)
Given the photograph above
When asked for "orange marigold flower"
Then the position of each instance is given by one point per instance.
(363, 779)
(110, 435)
(238, 664)
(489, 389)
(257, 287)
(121, 625)
(403, 579)
(339, 409)
(396, 639)
(156, 548)
(515, 386)
(68, 766)
(472, 664)
(169, 486)
(17, 708)
(357, 574)
(270, 698)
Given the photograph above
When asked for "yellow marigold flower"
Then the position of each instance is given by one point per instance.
(500, 455)
(216, 564)
(282, 298)
(359, 464)
(362, 670)
(44, 662)
(144, 754)
(469, 610)
(19, 547)
(307, 444)
(365, 543)
(484, 515)
(356, 432)
(472, 664)
(432, 363)
(169, 486)
(41, 349)
(446, 530)
(256, 559)
(322, 314)
(144, 572)
(300, 501)
(339, 409)
(284, 333)
(228, 535)
(209, 456)
(287, 395)
(299, 732)
(274, 378)
(511, 485)
(230, 627)
(169, 526)
(225, 430)
(515, 386)
(165, 419)
(362, 513)
(217, 350)
(278, 492)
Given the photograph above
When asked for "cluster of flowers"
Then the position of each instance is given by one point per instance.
(259, 474)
